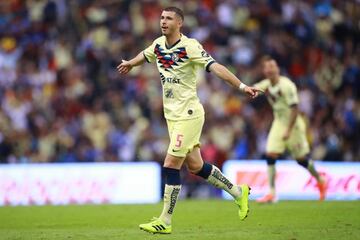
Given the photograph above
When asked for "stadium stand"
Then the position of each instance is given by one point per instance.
(62, 99)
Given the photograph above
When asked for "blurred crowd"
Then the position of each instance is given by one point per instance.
(62, 99)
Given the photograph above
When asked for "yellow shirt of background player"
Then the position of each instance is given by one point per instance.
(281, 96)
(178, 65)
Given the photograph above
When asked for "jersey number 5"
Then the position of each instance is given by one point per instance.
(179, 138)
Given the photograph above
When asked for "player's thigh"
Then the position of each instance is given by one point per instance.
(275, 142)
(170, 126)
(298, 144)
(194, 161)
(185, 135)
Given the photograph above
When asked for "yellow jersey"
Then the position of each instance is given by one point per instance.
(177, 65)
(281, 97)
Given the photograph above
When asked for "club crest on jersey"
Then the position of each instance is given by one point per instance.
(169, 60)
(175, 57)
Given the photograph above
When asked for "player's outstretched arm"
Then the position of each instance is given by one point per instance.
(125, 66)
(222, 72)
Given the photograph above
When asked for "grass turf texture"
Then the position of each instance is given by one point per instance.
(208, 219)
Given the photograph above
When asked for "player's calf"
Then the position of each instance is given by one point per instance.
(171, 193)
(309, 165)
(271, 160)
(271, 196)
(214, 176)
(321, 183)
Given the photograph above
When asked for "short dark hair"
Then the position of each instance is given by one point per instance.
(176, 10)
(267, 58)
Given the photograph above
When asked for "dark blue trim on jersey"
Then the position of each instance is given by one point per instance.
(173, 44)
(209, 64)
(146, 57)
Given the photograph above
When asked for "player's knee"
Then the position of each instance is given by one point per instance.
(194, 168)
(271, 159)
(173, 162)
(170, 164)
(303, 162)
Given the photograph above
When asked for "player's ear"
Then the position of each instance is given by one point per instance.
(180, 23)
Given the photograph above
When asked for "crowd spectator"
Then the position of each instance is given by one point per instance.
(62, 99)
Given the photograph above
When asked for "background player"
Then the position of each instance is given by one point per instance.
(178, 58)
(288, 129)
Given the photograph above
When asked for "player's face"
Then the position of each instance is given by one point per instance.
(270, 69)
(170, 23)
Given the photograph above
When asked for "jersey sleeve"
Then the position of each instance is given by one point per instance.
(262, 85)
(149, 53)
(291, 96)
(199, 56)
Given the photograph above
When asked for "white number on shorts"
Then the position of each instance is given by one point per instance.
(179, 138)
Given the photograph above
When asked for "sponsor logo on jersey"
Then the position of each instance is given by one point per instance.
(204, 53)
(273, 96)
(169, 79)
(169, 93)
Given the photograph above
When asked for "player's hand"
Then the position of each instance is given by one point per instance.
(124, 67)
(253, 92)
(286, 135)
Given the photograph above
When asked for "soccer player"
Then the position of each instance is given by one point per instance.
(288, 129)
(177, 58)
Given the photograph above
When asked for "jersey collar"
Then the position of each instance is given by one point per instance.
(169, 47)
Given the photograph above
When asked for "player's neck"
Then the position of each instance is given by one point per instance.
(274, 80)
(172, 39)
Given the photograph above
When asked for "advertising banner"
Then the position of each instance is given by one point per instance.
(293, 182)
(79, 183)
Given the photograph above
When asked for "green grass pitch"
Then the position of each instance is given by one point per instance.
(193, 219)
